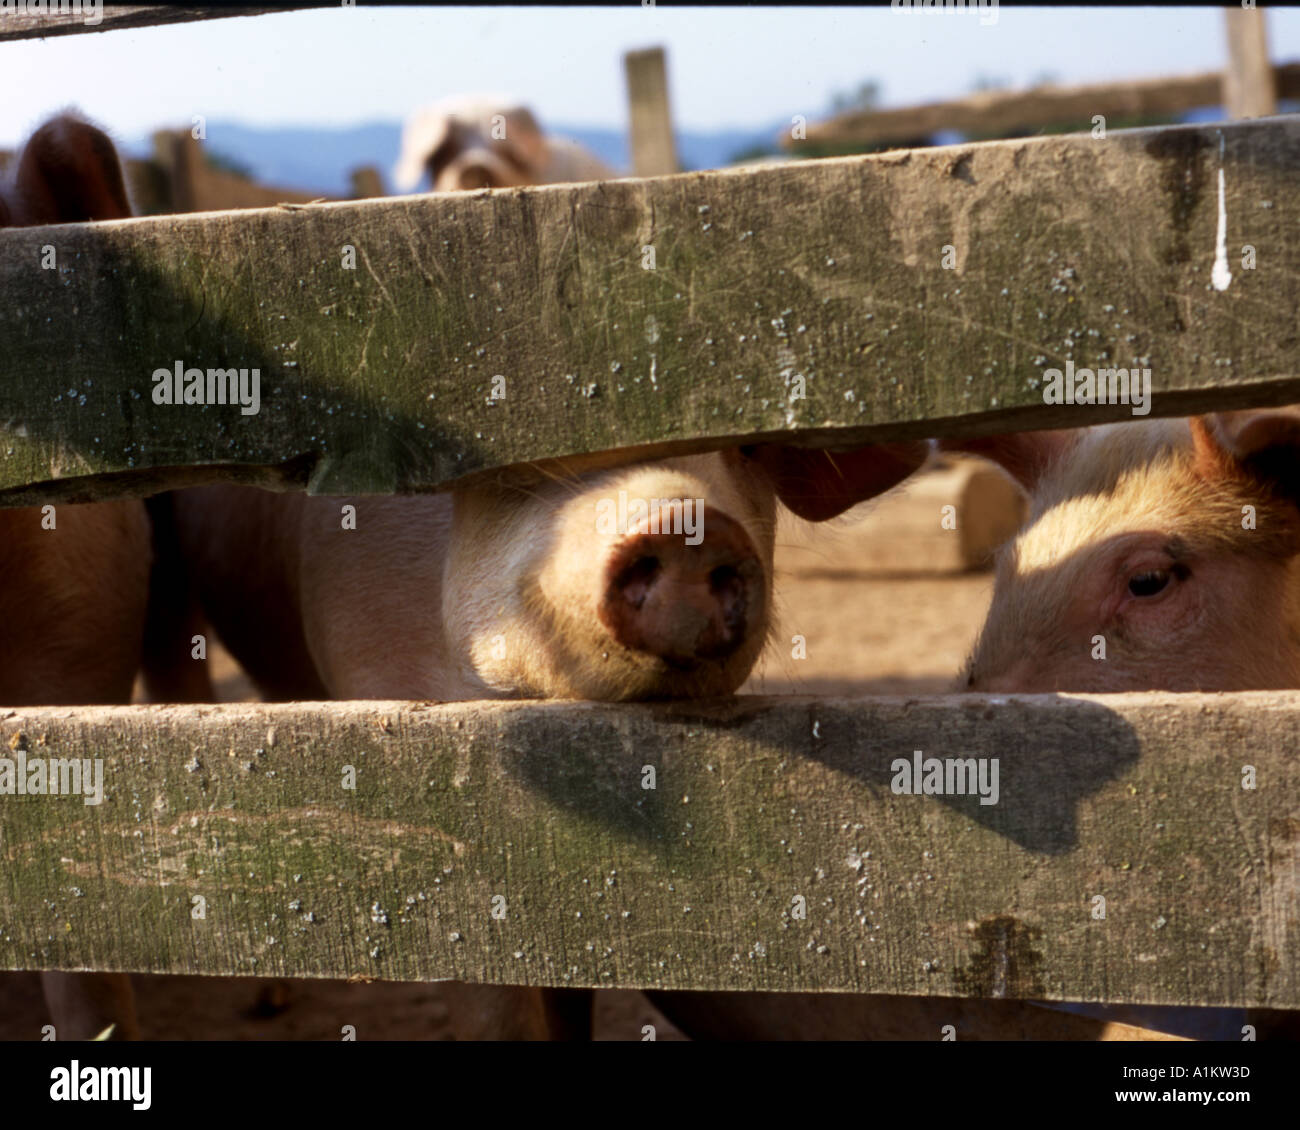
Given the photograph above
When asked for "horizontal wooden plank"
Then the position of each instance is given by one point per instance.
(993, 113)
(839, 301)
(117, 17)
(694, 883)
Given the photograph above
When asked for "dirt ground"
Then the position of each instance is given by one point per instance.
(863, 634)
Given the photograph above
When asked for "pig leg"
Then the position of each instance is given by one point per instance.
(172, 673)
(239, 555)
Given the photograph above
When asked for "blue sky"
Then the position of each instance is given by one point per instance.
(729, 67)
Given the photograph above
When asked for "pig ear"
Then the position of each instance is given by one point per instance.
(818, 484)
(1023, 455)
(69, 173)
(1262, 444)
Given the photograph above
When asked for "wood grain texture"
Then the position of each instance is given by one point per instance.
(823, 277)
(692, 884)
(117, 17)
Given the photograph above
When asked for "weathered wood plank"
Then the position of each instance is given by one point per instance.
(998, 112)
(694, 883)
(116, 17)
(825, 279)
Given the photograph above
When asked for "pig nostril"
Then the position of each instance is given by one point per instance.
(727, 587)
(724, 576)
(635, 581)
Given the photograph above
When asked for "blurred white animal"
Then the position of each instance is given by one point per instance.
(487, 141)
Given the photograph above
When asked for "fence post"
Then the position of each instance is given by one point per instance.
(178, 152)
(366, 183)
(1249, 90)
(653, 151)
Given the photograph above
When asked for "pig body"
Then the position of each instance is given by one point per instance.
(72, 594)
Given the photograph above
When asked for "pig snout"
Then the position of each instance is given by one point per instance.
(683, 603)
(649, 581)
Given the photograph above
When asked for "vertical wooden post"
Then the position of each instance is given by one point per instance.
(653, 151)
(178, 153)
(366, 183)
(1249, 90)
(149, 184)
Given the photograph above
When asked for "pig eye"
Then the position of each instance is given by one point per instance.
(1149, 583)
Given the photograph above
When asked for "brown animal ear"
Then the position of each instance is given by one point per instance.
(817, 484)
(69, 173)
(1262, 444)
(1025, 456)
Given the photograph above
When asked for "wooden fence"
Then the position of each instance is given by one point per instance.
(915, 293)
(1249, 86)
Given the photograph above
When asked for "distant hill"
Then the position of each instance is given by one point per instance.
(313, 159)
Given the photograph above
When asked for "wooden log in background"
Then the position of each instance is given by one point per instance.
(994, 113)
(907, 530)
(825, 279)
(696, 883)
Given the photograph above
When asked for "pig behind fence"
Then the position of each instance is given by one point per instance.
(648, 580)
(473, 142)
(73, 579)
(1160, 555)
